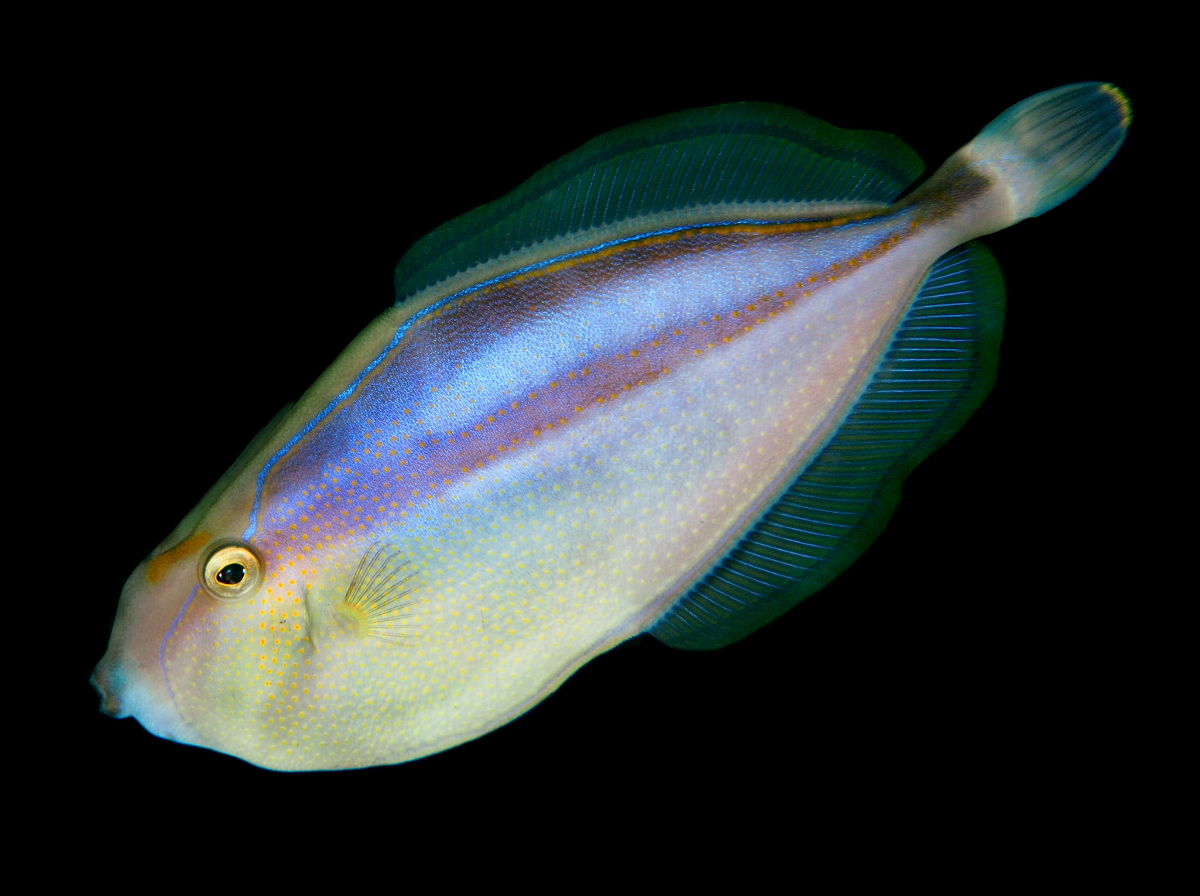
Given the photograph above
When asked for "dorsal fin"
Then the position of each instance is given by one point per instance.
(757, 153)
(940, 366)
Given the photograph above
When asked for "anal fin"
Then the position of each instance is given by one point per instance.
(939, 368)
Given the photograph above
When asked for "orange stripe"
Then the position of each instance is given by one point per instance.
(157, 567)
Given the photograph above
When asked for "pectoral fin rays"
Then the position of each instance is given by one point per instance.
(377, 602)
(939, 367)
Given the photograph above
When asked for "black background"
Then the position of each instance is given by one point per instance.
(233, 230)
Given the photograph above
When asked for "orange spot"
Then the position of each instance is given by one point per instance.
(157, 567)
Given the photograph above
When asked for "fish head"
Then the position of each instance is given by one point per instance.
(131, 677)
(235, 628)
(234, 631)
(176, 607)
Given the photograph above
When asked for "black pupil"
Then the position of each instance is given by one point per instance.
(231, 574)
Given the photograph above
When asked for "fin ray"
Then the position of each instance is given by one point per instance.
(1049, 146)
(742, 153)
(378, 590)
(840, 503)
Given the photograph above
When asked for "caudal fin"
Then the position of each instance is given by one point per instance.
(1045, 149)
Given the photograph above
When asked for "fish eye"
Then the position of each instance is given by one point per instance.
(230, 571)
(231, 574)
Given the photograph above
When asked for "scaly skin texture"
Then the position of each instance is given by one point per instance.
(549, 461)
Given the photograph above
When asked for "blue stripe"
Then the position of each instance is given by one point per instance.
(349, 390)
(162, 648)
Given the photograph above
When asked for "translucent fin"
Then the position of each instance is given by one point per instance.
(940, 366)
(377, 594)
(1050, 146)
(743, 153)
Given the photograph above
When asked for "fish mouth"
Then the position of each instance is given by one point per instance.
(124, 694)
(110, 704)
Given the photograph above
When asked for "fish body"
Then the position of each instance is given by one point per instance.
(580, 424)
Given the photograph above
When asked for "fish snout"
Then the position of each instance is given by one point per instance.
(128, 689)
(110, 701)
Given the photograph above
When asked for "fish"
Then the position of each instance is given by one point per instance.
(672, 385)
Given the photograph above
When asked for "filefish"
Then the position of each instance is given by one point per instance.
(672, 384)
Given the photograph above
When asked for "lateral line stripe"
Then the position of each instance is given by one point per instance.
(395, 341)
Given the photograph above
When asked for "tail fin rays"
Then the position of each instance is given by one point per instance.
(1047, 148)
